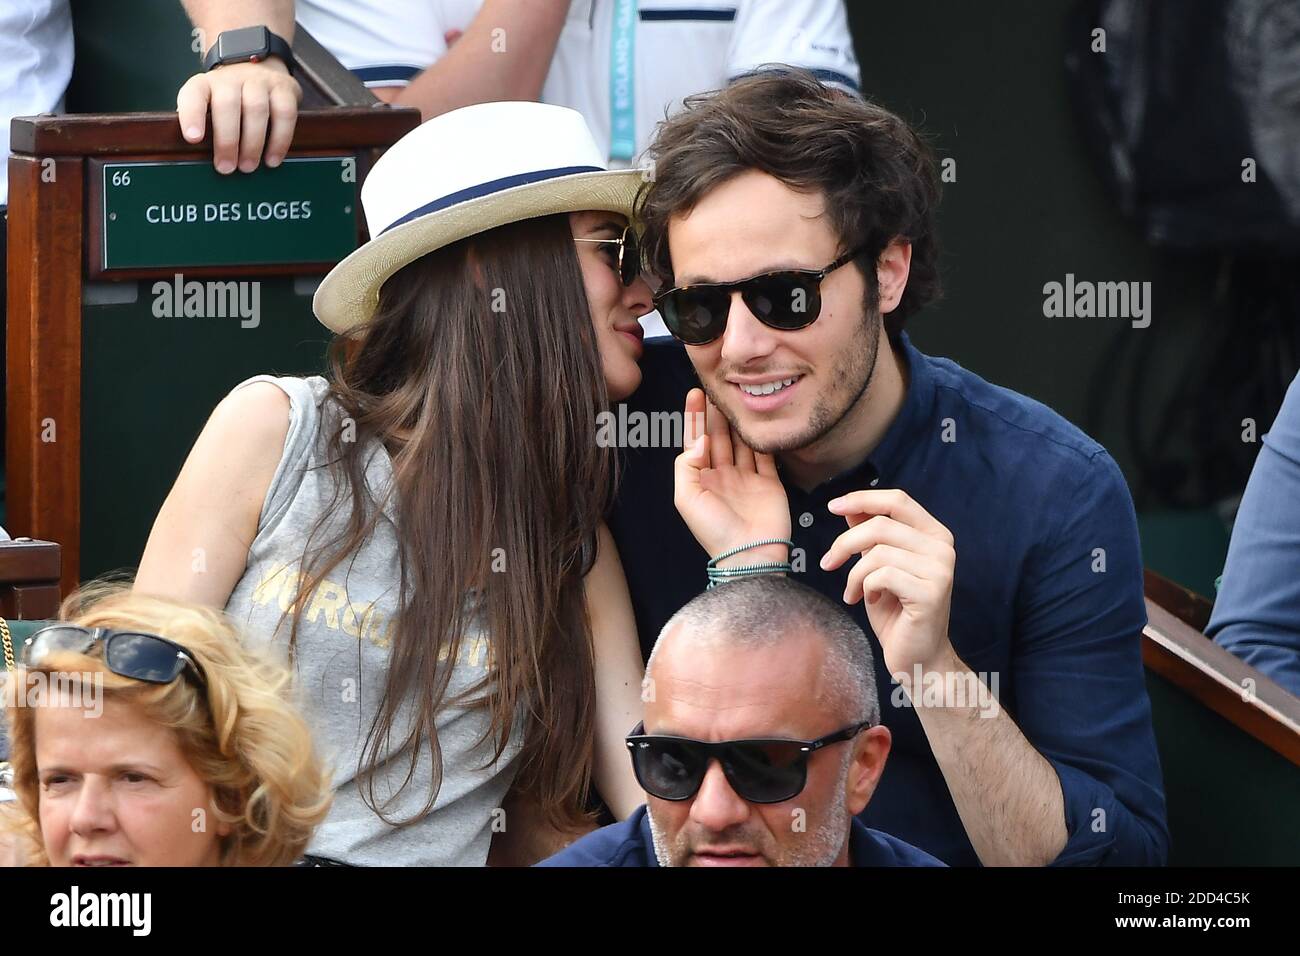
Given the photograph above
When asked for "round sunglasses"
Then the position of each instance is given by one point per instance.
(785, 300)
(142, 657)
(760, 771)
(628, 261)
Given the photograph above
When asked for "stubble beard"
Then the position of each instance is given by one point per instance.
(849, 380)
(822, 847)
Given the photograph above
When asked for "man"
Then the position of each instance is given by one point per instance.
(988, 546)
(620, 63)
(759, 659)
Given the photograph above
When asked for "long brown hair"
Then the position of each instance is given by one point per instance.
(481, 374)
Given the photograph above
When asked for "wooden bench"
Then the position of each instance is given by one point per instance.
(29, 579)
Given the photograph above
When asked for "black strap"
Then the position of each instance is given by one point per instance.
(275, 46)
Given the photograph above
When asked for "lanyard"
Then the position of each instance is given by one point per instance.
(622, 56)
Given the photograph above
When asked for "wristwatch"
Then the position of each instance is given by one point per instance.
(247, 45)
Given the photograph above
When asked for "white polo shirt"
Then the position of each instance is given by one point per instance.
(35, 65)
(669, 48)
(673, 47)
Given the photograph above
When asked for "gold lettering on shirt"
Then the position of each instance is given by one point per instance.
(328, 598)
(353, 616)
(269, 586)
(329, 607)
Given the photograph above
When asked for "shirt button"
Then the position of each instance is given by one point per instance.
(874, 482)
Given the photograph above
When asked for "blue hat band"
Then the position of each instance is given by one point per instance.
(487, 189)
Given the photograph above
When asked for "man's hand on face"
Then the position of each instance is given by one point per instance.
(247, 100)
(905, 573)
(728, 494)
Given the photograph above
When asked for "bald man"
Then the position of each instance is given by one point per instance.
(761, 741)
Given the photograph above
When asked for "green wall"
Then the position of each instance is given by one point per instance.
(149, 384)
(987, 85)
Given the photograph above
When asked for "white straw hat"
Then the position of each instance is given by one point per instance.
(462, 173)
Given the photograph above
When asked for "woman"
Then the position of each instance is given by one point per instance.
(423, 530)
(143, 734)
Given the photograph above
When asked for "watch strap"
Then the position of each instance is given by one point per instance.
(275, 46)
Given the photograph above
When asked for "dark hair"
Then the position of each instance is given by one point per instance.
(877, 175)
(480, 371)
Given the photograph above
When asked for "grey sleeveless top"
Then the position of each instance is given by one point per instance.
(341, 660)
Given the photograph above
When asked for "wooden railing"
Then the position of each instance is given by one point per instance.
(1174, 647)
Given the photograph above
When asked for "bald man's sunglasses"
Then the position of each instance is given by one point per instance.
(627, 261)
(760, 771)
(786, 301)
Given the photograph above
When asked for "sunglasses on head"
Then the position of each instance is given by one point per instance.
(785, 300)
(142, 657)
(628, 260)
(760, 771)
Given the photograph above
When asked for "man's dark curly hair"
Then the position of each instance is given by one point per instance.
(877, 175)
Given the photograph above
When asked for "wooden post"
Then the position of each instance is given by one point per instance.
(43, 441)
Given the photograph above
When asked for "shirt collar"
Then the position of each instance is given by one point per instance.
(913, 415)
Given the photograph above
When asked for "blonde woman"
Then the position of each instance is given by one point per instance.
(144, 734)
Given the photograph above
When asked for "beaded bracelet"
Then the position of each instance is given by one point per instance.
(719, 575)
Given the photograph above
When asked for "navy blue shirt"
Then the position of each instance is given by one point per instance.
(1257, 612)
(629, 843)
(1047, 593)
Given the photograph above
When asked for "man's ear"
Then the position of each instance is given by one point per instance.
(892, 269)
(870, 751)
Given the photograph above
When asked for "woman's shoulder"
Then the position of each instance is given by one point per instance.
(272, 407)
(266, 418)
(274, 394)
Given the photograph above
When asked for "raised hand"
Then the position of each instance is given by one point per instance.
(905, 572)
(728, 494)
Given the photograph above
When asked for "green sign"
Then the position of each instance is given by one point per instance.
(173, 214)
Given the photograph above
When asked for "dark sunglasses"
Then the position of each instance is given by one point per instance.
(143, 657)
(760, 771)
(788, 300)
(628, 261)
